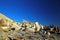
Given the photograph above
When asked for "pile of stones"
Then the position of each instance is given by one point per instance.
(11, 30)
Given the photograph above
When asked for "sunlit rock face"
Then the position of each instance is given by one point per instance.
(32, 26)
(12, 30)
(6, 23)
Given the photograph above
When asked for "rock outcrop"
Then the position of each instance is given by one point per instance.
(12, 30)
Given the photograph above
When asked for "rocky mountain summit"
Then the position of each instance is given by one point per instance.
(11, 30)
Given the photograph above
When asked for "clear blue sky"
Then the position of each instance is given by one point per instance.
(44, 11)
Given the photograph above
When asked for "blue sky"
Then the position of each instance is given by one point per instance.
(44, 11)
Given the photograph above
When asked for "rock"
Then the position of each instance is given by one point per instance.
(11, 30)
(31, 30)
(37, 26)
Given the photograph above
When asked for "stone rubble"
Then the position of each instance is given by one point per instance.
(11, 30)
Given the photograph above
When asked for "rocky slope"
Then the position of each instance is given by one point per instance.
(11, 30)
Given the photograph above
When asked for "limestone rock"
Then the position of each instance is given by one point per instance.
(37, 26)
(11, 30)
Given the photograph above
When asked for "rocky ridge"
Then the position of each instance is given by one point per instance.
(11, 30)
